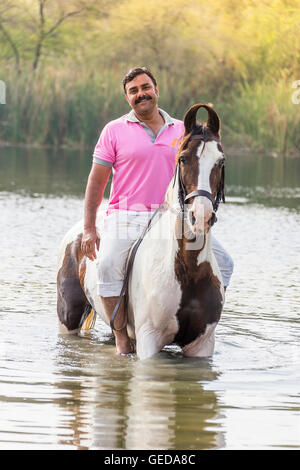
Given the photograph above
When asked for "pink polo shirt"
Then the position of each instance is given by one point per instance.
(142, 167)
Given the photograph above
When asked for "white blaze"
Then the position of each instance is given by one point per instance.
(202, 207)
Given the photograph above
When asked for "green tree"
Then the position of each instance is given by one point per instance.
(35, 29)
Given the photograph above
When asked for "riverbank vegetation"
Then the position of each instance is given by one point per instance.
(62, 63)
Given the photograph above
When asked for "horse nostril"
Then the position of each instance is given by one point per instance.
(192, 218)
(212, 220)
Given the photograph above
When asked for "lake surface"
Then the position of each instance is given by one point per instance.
(65, 392)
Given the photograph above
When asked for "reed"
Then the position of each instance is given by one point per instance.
(70, 107)
(263, 116)
(64, 108)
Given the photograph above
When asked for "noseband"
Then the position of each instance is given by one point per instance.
(184, 197)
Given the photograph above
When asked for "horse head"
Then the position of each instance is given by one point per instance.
(200, 169)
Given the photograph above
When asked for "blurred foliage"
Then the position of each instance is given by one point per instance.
(63, 62)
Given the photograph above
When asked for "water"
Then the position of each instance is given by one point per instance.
(60, 392)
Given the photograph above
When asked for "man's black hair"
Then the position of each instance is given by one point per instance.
(134, 73)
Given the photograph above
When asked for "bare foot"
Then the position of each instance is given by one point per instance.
(123, 343)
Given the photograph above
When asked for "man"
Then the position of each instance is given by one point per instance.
(140, 147)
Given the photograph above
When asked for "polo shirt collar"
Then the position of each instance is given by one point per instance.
(168, 120)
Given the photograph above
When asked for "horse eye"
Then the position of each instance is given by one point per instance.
(182, 159)
(221, 162)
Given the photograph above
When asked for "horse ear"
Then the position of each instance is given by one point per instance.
(213, 121)
(189, 119)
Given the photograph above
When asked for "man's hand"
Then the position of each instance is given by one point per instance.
(89, 242)
(98, 178)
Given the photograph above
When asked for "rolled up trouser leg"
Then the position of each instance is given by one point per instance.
(224, 260)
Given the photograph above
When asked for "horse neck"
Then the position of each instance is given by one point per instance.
(194, 252)
(171, 201)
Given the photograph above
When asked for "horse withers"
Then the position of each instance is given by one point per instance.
(175, 291)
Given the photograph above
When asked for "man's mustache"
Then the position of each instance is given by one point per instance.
(141, 98)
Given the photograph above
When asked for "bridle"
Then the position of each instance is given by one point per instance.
(184, 197)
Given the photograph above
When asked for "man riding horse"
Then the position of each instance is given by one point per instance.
(140, 147)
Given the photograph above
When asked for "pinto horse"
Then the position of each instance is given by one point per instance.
(175, 293)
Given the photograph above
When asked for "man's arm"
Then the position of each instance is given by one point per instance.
(96, 184)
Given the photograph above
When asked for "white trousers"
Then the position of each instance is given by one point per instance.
(119, 231)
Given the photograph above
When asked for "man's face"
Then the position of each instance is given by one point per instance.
(141, 94)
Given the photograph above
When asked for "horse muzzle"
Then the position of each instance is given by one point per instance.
(201, 216)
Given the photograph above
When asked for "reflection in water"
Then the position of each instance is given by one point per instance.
(74, 393)
(268, 180)
(272, 181)
(169, 408)
(44, 171)
(123, 403)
